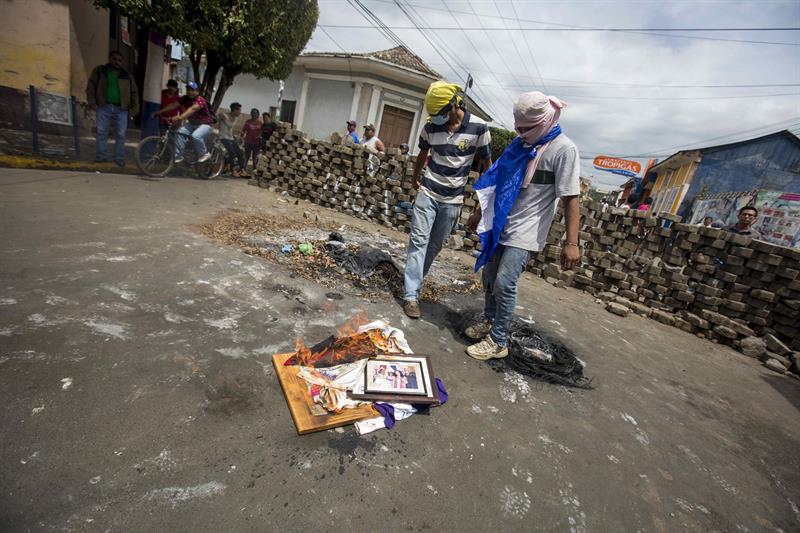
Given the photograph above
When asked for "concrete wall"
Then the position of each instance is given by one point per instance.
(262, 94)
(35, 45)
(771, 163)
(327, 107)
(88, 29)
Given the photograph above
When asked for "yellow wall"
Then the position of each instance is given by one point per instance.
(35, 45)
(672, 183)
(89, 43)
(51, 44)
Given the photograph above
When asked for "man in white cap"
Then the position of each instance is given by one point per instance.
(455, 137)
(518, 197)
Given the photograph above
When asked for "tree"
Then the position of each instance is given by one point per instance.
(258, 37)
(501, 138)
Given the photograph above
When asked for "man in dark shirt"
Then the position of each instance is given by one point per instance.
(747, 217)
(112, 92)
(268, 127)
(194, 109)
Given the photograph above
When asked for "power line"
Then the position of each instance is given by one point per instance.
(670, 35)
(568, 29)
(671, 98)
(727, 139)
(527, 45)
(453, 57)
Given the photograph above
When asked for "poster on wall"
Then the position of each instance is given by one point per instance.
(124, 33)
(53, 108)
(723, 209)
(779, 217)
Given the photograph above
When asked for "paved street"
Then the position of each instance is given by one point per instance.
(137, 393)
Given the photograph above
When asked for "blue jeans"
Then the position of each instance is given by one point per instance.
(198, 132)
(500, 278)
(431, 225)
(106, 114)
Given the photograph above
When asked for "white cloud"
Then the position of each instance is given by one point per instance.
(602, 117)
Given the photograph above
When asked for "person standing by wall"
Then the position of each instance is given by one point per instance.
(370, 141)
(456, 138)
(226, 124)
(747, 217)
(252, 138)
(169, 96)
(112, 92)
(268, 127)
(518, 197)
(351, 137)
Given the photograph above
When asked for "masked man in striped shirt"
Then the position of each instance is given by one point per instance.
(454, 138)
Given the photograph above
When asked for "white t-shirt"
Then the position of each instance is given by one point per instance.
(557, 175)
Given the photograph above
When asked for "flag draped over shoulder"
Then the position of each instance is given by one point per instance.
(499, 187)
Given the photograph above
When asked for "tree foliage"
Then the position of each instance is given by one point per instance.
(501, 138)
(258, 37)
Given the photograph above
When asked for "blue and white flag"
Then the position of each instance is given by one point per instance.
(498, 188)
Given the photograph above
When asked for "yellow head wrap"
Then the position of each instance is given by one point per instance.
(439, 95)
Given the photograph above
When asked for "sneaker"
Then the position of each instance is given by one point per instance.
(478, 330)
(203, 158)
(487, 349)
(411, 309)
(100, 160)
(179, 160)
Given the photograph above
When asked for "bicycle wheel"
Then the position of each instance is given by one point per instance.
(213, 167)
(154, 156)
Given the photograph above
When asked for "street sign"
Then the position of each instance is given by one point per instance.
(616, 165)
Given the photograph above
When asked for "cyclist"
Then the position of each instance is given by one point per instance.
(194, 109)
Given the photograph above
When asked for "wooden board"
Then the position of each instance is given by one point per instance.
(300, 404)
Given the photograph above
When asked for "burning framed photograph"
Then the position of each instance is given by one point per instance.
(396, 375)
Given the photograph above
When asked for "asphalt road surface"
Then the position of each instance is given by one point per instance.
(137, 393)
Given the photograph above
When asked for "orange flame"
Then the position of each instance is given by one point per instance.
(347, 345)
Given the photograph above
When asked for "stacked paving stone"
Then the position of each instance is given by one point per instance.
(718, 285)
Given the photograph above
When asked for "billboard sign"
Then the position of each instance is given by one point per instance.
(623, 167)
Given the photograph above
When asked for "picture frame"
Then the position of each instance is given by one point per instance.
(379, 386)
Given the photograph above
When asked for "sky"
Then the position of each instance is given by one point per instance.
(637, 95)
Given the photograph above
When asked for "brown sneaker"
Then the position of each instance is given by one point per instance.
(487, 349)
(411, 309)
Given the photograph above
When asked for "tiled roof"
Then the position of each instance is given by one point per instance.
(405, 58)
(397, 56)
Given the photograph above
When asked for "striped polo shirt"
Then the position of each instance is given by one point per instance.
(446, 175)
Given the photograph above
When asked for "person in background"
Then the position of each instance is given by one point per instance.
(631, 202)
(268, 127)
(195, 111)
(112, 92)
(645, 206)
(523, 189)
(252, 138)
(707, 221)
(170, 95)
(226, 124)
(747, 217)
(404, 151)
(370, 141)
(455, 138)
(351, 132)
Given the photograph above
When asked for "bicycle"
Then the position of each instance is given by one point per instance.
(155, 156)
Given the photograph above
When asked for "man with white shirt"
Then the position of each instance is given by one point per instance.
(520, 195)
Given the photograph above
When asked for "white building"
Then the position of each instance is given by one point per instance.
(385, 88)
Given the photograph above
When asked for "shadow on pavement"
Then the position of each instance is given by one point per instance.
(788, 387)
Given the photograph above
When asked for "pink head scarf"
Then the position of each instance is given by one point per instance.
(536, 113)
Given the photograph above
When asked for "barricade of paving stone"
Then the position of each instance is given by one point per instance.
(376, 187)
(715, 284)
(719, 285)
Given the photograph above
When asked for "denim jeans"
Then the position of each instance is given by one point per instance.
(500, 278)
(431, 225)
(106, 115)
(198, 133)
(251, 150)
(235, 155)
